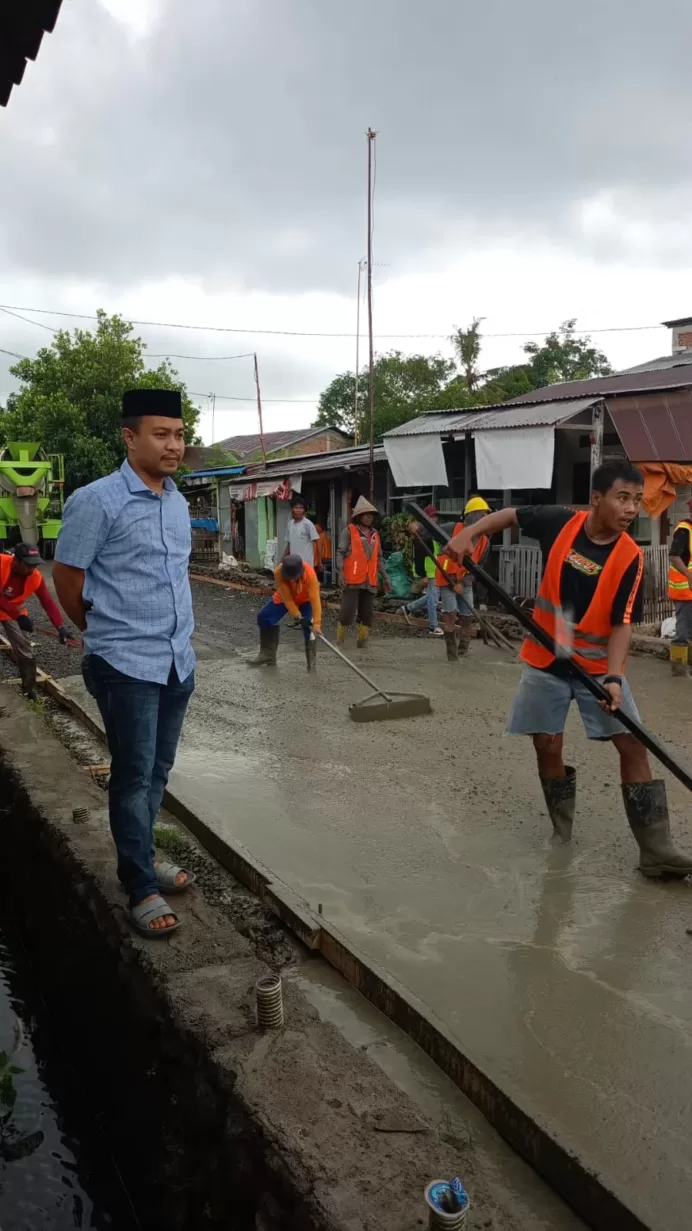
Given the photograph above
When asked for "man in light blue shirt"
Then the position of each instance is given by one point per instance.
(121, 574)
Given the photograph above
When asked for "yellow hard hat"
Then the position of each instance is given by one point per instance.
(477, 505)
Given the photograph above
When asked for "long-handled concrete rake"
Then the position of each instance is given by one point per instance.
(388, 705)
(647, 738)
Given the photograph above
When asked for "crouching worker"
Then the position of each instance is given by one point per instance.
(298, 593)
(19, 579)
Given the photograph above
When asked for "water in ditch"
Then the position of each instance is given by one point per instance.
(56, 1171)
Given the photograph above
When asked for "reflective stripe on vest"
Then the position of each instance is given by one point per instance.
(587, 642)
(358, 570)
(679, 589)
(31, 585)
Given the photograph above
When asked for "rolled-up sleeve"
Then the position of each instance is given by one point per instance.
(84, 530)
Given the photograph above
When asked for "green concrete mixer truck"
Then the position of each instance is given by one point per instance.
(31, 495)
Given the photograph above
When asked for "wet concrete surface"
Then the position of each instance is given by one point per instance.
(563, 975)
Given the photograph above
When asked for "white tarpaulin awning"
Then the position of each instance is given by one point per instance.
(507, 458)
(416, 461)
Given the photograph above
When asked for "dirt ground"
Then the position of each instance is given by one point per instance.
(562, 974)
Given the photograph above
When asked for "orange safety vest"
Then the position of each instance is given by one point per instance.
(678, 586)
(299, 588)
(592, 633)
(31, 585)
(358, 570)
(454, 570)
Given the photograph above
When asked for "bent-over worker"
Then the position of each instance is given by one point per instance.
(298, 594)
(680, 592)
(360, 563)
(588, 598)
(19, 579)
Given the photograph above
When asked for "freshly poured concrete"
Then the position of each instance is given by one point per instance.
(564, 975)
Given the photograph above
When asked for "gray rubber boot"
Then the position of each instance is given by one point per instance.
(647, 812)
(27, 674)
(452, 647)
(269, 644)
(561, 798)
(467, 630)
(311, 654)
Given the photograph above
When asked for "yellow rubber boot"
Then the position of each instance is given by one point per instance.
(341, 630)
(689, 655)
(363, 634)
(678, 659)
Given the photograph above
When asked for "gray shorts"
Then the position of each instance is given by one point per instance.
(543, 700)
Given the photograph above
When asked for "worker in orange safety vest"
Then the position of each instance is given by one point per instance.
(680, 593)
(455, 583)
(588, 599)
(360, 563)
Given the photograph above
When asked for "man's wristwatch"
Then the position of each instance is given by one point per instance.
(613, 679)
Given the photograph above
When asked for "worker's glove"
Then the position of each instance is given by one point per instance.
(63, 635)
(26, 624)
(305, 624)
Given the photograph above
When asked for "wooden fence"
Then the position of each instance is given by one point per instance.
(520, 573)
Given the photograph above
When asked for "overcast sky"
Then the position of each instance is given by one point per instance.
(205, 163)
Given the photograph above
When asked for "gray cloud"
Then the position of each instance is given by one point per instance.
(230, 145)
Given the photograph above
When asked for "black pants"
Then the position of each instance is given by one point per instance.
(360, 603)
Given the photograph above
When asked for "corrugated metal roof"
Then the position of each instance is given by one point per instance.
(681, 360)
(609, 386)
(452, 423)
(356, 458)
(655, 427)
(245, 446)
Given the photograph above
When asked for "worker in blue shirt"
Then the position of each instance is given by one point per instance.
(121, 574)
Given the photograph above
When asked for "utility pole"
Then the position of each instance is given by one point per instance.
(356, 432)
(212, 399)
(371, 135)
(259, 409)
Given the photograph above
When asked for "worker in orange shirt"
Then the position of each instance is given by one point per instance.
(298, 594)
(323, 555)
(455, 584)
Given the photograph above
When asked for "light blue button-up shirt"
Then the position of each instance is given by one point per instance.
(134, 547)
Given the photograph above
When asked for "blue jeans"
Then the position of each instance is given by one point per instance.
(273, 613)
(426, 602)
(143, 722)
(453, 602)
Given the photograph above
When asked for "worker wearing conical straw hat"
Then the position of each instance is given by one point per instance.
(360, 564)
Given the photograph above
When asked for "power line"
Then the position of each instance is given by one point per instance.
(39, 324)
(13, 353)
(306, 333)
(231, 397)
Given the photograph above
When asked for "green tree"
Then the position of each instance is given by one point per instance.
(71, 395)
(563, 356)
(467, 349)
(405, 386)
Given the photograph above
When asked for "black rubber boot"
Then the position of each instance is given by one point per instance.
(269, 644)
(452, 647)
(561, 798)
(311, 654)
(647, 812)
(27, 674)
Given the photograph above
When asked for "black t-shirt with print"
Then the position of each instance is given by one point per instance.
(582, 568)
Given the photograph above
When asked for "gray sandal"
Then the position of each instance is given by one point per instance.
(144, 914)
(166, 873)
